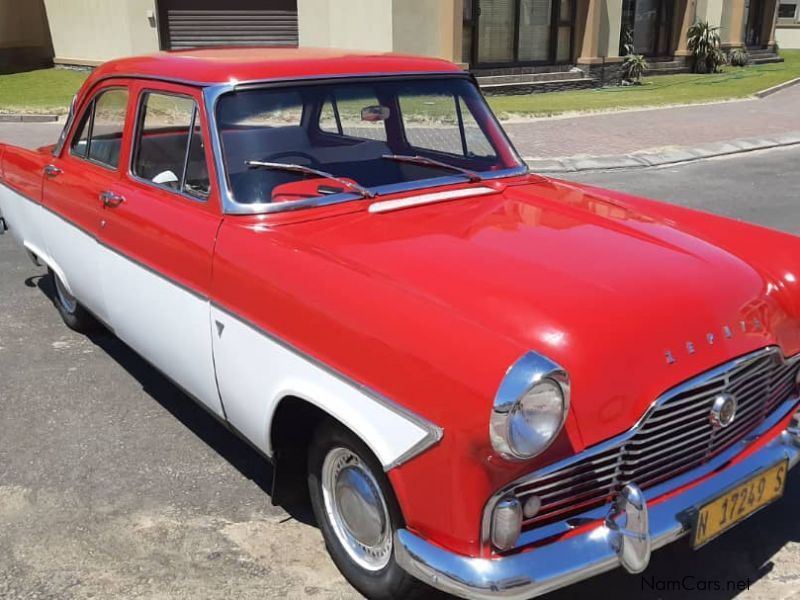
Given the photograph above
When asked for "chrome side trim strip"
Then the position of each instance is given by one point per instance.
(434, 433)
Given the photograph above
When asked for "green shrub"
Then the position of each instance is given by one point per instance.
(738, 57)
(706, 48)
(633, 67)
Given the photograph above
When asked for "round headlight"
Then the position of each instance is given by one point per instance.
(536, 419)
(530, 407)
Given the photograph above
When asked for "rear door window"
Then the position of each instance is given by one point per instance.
(99, 134)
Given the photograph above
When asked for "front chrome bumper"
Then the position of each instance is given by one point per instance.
(616, 543)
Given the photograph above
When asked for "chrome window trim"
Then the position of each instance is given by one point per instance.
(208, 84)
(137, 126)
(59, 147)
(62, 137)
(230, 206)
(527, 536)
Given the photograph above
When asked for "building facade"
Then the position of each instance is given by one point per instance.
(24, 36)
(582, 39)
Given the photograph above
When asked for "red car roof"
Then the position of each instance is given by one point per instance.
(223, 65)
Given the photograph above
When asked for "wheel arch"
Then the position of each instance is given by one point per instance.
(39, 255)
(291, 428)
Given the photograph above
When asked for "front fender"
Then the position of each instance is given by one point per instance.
(256, 371)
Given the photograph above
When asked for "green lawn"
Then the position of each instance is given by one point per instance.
(42, 91)
(50, 91)
(655, 91)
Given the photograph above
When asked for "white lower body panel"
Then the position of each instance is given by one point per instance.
(165, 323)
(255, 372)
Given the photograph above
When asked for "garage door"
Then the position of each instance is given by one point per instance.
(197, 23)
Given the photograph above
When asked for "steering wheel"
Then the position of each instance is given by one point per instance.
(314, 163)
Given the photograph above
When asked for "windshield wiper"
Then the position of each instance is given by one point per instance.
(430, 162)
(360, 190)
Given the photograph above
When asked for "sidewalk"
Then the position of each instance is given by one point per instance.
(635, 131)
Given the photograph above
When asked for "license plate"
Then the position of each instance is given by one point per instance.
(735, 506)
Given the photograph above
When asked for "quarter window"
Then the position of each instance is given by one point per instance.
(169, 145)
(99, 134)
(80, 143)
(441, 122)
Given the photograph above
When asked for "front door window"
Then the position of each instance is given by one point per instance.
(169, 145)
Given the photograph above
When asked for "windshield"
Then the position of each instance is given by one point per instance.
(360, 135)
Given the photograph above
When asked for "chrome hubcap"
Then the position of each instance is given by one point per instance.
(356, 509)
(67, 300)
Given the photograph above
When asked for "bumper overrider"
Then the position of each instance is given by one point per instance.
(636, 523)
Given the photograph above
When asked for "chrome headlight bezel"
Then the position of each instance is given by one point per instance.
(531, 370)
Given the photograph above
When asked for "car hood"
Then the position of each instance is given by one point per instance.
(628, 303)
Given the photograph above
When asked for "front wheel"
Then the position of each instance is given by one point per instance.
(358, 514)
(72, 313)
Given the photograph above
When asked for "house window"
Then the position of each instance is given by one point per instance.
(788, 11)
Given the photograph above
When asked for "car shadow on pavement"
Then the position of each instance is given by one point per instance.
(213, 432)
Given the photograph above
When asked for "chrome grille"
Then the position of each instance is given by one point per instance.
(673, 437)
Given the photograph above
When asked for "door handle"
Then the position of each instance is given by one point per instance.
(51, 171)
(111, 200)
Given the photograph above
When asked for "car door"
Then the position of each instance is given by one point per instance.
(73, 183)
(160, 226)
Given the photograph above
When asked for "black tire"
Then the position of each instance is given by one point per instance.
(389, 582)
(75, 316)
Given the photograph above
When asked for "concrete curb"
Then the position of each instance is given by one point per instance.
(660, 157)
(777, 88)
(22, 118)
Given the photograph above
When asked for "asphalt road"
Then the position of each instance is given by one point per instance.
(114, 485)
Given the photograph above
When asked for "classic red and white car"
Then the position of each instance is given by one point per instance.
(495, 383)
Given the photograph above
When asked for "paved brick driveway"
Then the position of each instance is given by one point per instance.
(631, 131)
